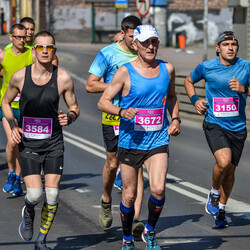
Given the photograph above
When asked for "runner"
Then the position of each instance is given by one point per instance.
(39, 134)
(11, 61)
(227, 80)
(147, 91)
(108, 60)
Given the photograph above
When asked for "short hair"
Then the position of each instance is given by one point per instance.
(44, 33)
(17, 26)
(130, 22)
(27, 20)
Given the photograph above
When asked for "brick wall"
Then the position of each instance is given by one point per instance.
(196, 4)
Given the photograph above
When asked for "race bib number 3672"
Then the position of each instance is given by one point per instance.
(37, 128)
(149, 120)
(226, 107)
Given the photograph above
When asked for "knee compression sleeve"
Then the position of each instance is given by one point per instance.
(154, 210)
(52, 195)
(34, 195)
(127, 215)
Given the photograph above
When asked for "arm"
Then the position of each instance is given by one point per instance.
(14, 88)
(236, 86)
(120, 82)
(95, 84)
(198, 104)
(173, 107)
(66, 88)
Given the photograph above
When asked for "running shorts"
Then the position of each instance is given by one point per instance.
(32, 163)
(136, 157)
(16, 113)
(109, 138)
(218, 138)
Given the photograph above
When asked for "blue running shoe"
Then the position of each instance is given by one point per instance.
(150, 240)
(41, 246)
(128, 245)
(220, 219)
(17, 191)
(118, 180)
(9, 185)
(212, 206)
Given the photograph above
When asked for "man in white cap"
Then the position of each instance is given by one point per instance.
(147, 91)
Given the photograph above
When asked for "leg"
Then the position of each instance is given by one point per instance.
(129, 181)
(12, 155)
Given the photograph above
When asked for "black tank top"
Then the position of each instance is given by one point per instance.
(40, 102)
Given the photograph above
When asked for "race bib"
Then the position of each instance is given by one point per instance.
(226, 107)
(17, 98)
(37, 128)
(116, 129)
(149, 120)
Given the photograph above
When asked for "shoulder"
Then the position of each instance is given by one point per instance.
(63, 76)
(19, 75)
(2, 54)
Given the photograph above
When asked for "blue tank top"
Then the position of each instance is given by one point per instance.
(148, 129)
(226, 108)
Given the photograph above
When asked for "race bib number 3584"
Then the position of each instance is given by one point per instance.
(226, 107)
(37, 128)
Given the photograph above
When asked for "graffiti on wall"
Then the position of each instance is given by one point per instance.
(186, 23)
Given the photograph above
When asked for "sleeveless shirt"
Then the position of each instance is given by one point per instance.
(39, 115)
(148, 129)
(11, 64)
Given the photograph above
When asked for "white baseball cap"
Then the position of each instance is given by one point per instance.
(144, 32)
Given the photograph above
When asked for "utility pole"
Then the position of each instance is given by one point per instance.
(205, 24)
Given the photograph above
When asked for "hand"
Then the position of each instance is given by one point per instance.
(63, 118)
(16, 134)
(174, 128)
(236, 86)
(129, 113)
(200, 106)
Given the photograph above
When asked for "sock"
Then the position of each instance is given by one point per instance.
(128, 238)
(47, 217)
(154, 210)
(12, 172)
(18, 177)
(222, 206)
(30, 207)
(103, 202)
(127, 215)
(215, 191)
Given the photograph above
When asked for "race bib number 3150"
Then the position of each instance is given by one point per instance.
(226, 107)
(149, 120)
(37, 128)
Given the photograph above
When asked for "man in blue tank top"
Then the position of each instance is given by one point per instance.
(147, 91)
(106, 63)
(227, 80)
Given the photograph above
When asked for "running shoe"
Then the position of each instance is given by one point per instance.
(41, 246)
(137, 228)
(118, 180)
(9, 185)
(220, 219)
(105, 215)
(212, 206)
(17, 191)
(150, 240)
(26, 226)
(128, 245)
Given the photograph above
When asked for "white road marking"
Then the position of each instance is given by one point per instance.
(82, 190)
(74, 76)
(233, 205)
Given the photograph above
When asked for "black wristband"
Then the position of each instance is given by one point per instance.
(120, 111)
(73, 113)
(70, 120)
(177, 118)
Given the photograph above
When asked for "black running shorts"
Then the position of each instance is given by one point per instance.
(32, 163)
(109, 138)
(136, 157)
(218, 138)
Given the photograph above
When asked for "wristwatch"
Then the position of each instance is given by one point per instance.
(245, 90)
(177, 118)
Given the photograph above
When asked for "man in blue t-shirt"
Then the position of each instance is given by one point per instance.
(227, 87)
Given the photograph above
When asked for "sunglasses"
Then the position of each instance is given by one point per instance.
(49, 47)
(19, 38)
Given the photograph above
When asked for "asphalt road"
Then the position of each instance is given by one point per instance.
(183, 223)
